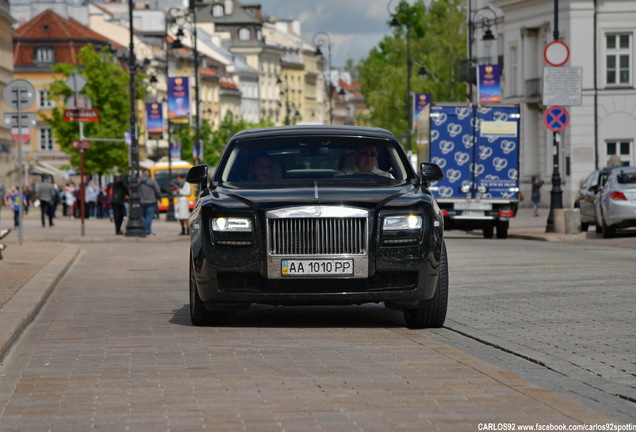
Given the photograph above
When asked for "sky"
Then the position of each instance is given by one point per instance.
(354, 27)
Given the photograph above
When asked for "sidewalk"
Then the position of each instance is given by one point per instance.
(29, 271)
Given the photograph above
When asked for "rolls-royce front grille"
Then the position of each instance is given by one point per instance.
(317, 236)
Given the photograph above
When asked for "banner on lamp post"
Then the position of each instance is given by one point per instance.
(489, 84)
(154, 120)
(175, 151)
(179, 100)
(421, 104)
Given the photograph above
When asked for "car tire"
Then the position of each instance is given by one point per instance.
(598, 229)
(432, 313)
(199, 315)
(502, 229)
(584, 226)
(608, 231)
(488, 231)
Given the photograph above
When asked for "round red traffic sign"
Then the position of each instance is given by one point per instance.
(556, 53)
(556, 118)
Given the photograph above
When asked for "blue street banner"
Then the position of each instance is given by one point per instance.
(421, 106)
(154, 120)
(489, 84)
(175, 151)
(179, 100)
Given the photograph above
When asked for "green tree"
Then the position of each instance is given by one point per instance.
(214, 141)
(437, 42)
(108, 89)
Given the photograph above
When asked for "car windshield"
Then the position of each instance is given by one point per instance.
(287, 161)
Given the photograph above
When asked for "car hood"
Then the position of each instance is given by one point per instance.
(265, 199)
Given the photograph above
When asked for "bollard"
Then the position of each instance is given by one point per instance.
(559, 221)
(572, 221)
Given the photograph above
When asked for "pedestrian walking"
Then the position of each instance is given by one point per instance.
(45, 192)
(69, 200)
(90, 198)
(149, 194)
(26, 203)
(119, 196)
(537, 182)
(182, 209)
(16, 199)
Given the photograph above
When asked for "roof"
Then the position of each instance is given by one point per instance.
(317, 130)
(67, 35)
(49, 25)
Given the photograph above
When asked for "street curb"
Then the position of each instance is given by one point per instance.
(18, 313)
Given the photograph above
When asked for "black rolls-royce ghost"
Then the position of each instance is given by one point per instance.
(315, 215)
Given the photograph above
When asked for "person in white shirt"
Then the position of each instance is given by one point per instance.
(365, 159)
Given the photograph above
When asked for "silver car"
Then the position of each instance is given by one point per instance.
(585, 200)
(616, 203)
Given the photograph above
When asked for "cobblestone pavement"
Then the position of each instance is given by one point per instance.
(113, 349)
(568, 308)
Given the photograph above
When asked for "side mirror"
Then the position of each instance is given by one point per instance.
(430, 172)
(198, 174)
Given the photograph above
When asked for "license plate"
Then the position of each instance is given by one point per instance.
(472, 213)
(317, 267)
(473, 206)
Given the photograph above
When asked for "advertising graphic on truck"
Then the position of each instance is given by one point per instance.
(477, 146)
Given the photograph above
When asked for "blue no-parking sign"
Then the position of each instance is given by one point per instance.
(556, 118)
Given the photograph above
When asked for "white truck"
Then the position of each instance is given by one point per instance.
(477, 147)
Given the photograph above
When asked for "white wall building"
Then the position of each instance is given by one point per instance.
(600, 36)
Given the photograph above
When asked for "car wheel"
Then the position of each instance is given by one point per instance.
(584, 226)
(199, 315)
(488, 231)
(502, 229)
(608, 231)
(433, 312)
(598, 229)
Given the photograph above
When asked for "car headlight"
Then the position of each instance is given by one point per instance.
(406, 222)
(231, 224)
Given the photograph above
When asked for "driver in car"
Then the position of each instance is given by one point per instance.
(365, 160)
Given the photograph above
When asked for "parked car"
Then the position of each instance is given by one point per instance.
(319, 229)
(616, 202)
(587, 195)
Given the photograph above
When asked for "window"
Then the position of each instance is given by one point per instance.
(514, 70)
(621, 148)
(244, 34)
(45, 55)
(44, 102)
(218, 10)
(46, 140)
(618, 59)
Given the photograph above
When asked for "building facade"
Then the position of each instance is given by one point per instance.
(600, 37)
(8, 149)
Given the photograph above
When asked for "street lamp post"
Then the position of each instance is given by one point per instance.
(488, 37)
(395, 23)
(556, 194)
(134, 226)
(319, 40)
(177, 44)
(170, 217)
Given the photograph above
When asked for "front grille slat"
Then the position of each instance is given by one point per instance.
(317, 236)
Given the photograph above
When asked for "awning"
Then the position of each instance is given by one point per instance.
(43, 168)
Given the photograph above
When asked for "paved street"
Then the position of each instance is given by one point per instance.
(567, 309)
(112, 347)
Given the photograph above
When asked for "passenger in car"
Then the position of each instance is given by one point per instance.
(364, 159)
(261, 168)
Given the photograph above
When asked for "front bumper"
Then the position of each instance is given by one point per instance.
(397, 275)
